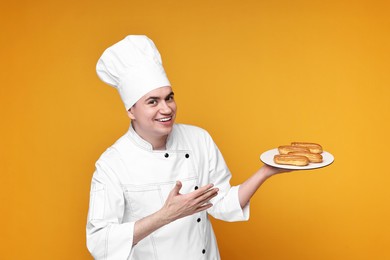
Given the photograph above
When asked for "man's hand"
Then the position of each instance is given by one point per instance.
(268, 170)
(181, 205)
(176, 206)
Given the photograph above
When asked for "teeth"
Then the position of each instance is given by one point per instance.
(164, 119)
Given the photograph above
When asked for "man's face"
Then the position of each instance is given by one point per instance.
(154, 114)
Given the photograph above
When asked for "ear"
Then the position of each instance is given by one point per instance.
(130, 114)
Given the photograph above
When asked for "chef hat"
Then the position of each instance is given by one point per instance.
(134, 67)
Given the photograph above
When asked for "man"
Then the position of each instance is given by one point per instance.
(153, 189)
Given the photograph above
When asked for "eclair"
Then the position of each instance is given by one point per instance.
(313, 147)
(313, 157)
(285, 149)
(296, 160)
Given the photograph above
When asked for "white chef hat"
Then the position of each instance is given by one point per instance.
(134, 67)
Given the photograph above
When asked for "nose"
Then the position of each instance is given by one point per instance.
(165, 108)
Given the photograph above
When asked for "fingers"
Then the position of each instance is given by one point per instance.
(203, 201)
(176, 189)
(207, 196)
(205, 192)
(197, 193)
(199, 197)
(180, 205)
(203, 207)
(202, 197)
(204, 188)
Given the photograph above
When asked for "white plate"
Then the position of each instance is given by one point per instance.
(268, 158)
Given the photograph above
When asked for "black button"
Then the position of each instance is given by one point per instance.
(187, 155)
(166, 155)
(204, 251)
(198, 220)
(196, 187)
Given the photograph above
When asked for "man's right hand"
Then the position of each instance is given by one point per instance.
(181, 205)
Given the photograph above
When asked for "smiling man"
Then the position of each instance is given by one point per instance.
(153, 189)
(154, 115)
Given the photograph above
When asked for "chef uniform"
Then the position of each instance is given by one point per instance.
(132, 181)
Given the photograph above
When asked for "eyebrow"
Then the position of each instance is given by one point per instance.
(155, 97)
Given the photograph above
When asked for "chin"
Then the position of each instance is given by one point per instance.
(168, 130)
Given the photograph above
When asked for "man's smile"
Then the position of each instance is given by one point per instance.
(165, 119)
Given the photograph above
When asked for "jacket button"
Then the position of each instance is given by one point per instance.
(204, 251)
(187, 155)
(196, 187)
(198, 219)
(166, 155)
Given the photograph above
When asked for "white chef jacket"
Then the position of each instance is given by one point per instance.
(132, 181)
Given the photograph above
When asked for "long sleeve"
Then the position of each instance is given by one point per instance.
(226, 205)
(107, 236)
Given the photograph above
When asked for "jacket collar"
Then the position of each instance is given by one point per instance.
(132, 134)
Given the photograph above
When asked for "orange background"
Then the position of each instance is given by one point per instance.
(255, 74)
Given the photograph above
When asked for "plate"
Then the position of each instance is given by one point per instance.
(268, 158)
